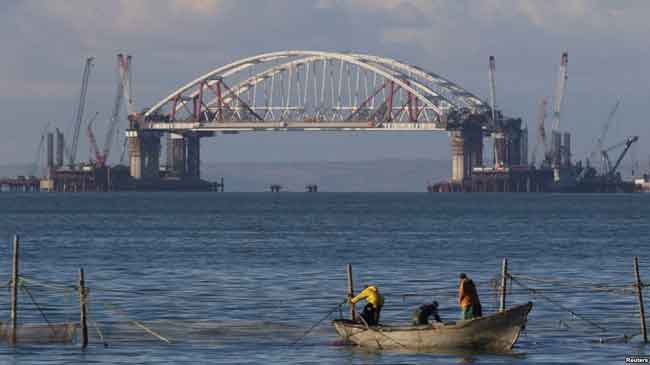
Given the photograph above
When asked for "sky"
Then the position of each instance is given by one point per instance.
(174, 41)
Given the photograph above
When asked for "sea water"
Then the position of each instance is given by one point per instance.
(240, 278)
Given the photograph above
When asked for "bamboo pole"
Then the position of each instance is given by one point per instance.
(502, 289)
(83, 310)
(639, 293)
(14, 290)
(353, 314)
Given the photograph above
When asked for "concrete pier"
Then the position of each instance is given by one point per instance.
(150, 148)
(144, 154)
(176, 155)
(499, 149)
(466, 151)
(60, 147)
(513, 156)
(193, 166)
(566, 150)
(135, 154)
(524, 147)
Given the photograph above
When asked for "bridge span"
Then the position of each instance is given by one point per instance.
(316, 91)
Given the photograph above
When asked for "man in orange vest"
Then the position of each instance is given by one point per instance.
(470, 305)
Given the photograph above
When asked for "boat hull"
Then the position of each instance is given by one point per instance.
(495, 333)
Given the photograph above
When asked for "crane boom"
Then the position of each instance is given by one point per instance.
(608, 122)
(130, 104)
(125, 63)
(541, 131)
(117, 105)
(628, 144)
(493, 100)
(99, 160)
(608, 168)
(34, 170)
(559, 92)
(78, 116)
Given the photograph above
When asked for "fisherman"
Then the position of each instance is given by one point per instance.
(470, 305)
(422, 313)
(372, 309)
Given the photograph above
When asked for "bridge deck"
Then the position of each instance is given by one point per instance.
(291, 126)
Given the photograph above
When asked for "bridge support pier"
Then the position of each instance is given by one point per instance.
(176, 160)
(144, 154)
(193, 162)
(457, 156)
(151, 155)
(135, 154)
(514, 148)
(466, 151)
(500, 149)
(510, 144)
(60, 146)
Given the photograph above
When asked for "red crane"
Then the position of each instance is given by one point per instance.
(123, 87)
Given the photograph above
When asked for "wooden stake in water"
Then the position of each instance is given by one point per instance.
(83, 309)
(639, 293)
(353, 314)
(14, 290)
(502, 289)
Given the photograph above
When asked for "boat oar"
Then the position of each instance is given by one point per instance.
(318, 323)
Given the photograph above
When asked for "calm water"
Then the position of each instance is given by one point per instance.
(236, 278)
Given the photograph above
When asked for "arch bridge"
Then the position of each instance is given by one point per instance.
(307, 91)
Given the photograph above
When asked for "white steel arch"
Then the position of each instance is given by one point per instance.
(315, 85)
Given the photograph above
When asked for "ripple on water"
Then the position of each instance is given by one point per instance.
(236, 278)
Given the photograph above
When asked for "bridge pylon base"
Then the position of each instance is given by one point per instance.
(144, 154)
(466, 151)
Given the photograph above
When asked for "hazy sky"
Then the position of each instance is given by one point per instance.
(44, 44)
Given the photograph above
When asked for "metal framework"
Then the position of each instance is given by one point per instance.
(312, 90)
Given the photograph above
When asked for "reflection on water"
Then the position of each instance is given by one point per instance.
(237, 278)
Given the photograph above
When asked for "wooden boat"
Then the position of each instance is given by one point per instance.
(493, 333)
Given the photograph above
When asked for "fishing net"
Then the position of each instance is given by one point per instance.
(39, 334)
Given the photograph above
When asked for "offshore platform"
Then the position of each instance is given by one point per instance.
(96, 175)
(512, 172)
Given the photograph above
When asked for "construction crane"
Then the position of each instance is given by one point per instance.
(541, 131)
(559, 92)
(79, 112)
(493, 100)
(39, 152)
(99, 160)
(610, 117)
(603, 134)
(610, 170)
(123, 84)
(123, 64)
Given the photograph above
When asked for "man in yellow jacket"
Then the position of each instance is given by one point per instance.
(375, 301)
(470, 305)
